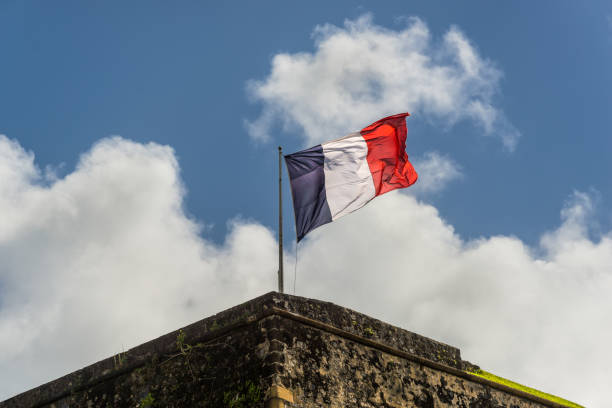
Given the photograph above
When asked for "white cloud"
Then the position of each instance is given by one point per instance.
(436, 171)
(541, 320)
(107, 257)
(361, 72)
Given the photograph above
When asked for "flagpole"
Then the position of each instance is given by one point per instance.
(280, 222)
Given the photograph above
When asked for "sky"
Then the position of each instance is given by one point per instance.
(138, 160)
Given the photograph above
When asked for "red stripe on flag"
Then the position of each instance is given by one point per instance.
(387, 158)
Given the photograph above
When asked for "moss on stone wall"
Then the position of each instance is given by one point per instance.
(528, 390)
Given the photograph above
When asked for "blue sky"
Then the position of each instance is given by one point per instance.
(194, 76)
(176, 75)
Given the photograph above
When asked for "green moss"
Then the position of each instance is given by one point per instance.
(214, 326)
(245, 396)
(517, 386)
(369, 331)
(146, 401)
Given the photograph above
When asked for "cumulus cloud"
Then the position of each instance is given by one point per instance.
(539, 319)
(436, 171)
(361, 72)
(106, 258)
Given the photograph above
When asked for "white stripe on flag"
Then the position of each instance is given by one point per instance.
(348, 180)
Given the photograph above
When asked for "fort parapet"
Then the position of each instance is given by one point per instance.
(284, 351)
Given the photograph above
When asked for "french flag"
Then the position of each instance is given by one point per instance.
(336, 178)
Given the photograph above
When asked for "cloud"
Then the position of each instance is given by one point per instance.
(436, 171)
(361, 72)
(539, 319)
(107, 257)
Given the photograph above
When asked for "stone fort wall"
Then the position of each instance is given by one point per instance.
(281, 351)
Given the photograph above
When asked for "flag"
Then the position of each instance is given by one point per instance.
(338, 177)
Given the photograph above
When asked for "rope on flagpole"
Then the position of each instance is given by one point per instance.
(295, 265)
(280, 222)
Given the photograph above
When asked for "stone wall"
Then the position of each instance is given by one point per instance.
(281, 351)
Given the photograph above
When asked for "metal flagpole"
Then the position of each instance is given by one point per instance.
(280, 222)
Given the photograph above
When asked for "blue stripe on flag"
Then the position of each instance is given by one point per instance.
(308, 189)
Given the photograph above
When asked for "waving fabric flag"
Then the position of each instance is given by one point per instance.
(338, 177)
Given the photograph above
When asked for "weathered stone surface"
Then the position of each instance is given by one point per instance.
(288, 351)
